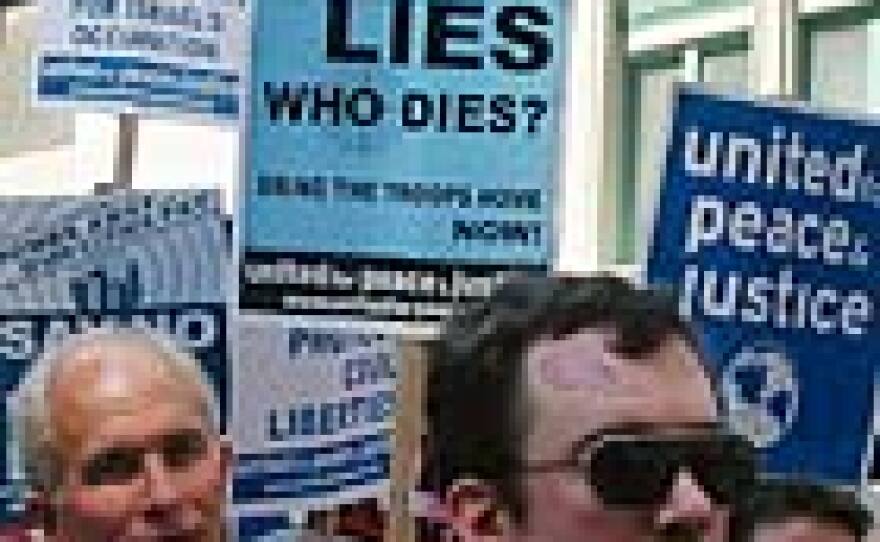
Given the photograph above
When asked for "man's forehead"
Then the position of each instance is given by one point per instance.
(129, 415)
(93, 354)
(112, 369)
(94, 383)
(579, 361)
(578, 385)
(586, 360)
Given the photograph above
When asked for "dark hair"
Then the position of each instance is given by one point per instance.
(474, 397)
(776, 500)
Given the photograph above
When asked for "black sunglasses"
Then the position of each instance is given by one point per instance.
(635, 467)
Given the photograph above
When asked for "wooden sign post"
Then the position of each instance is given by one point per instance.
(126, 148)
(408, 429)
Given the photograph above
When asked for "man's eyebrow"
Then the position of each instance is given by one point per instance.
(183, 435)
(182, 431)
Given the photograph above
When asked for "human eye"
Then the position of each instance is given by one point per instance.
(181, 449)
(112, 466)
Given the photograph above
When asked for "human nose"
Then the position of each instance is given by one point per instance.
(161, 488)
(688, 506)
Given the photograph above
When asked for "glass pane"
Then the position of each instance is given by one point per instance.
(652, 108)
(654, 116)
(839, 67)
(730, 72)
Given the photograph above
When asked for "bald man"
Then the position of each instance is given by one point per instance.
(119, 440)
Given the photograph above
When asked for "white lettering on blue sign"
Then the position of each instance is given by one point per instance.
(779, 300)
(193, 329)
(17, 340)
(786, 162)
(766, 229)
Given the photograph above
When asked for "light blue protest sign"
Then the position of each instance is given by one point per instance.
(155, 260)
(767, 226)
(313, 413)
(148, 56)
(400, 153)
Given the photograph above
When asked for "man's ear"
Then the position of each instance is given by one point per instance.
(474, 511)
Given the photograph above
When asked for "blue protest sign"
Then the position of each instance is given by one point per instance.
(144, 259)
(767, 226)
(400, 154)
(147, 56)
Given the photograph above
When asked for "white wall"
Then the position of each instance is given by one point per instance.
(170, 154)
(64, 169)
(179, 154)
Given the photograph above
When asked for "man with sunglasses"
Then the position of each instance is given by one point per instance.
(119, 441)
(577, 409)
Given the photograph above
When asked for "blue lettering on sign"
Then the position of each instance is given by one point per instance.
(368, 370)
(308, 341)
(95, 9)
(331, 417)
(186, 15)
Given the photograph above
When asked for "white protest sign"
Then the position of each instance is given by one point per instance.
(142, 55)
(312, 413)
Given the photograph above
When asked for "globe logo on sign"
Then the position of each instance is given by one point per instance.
(760, 394)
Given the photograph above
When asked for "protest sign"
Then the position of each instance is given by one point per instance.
(312, 414)
(767, 226)
(152, 56)
(400, 155)
(150, 260)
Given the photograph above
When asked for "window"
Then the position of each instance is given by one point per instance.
(723, 62)
(839, 52)
(651, 84)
